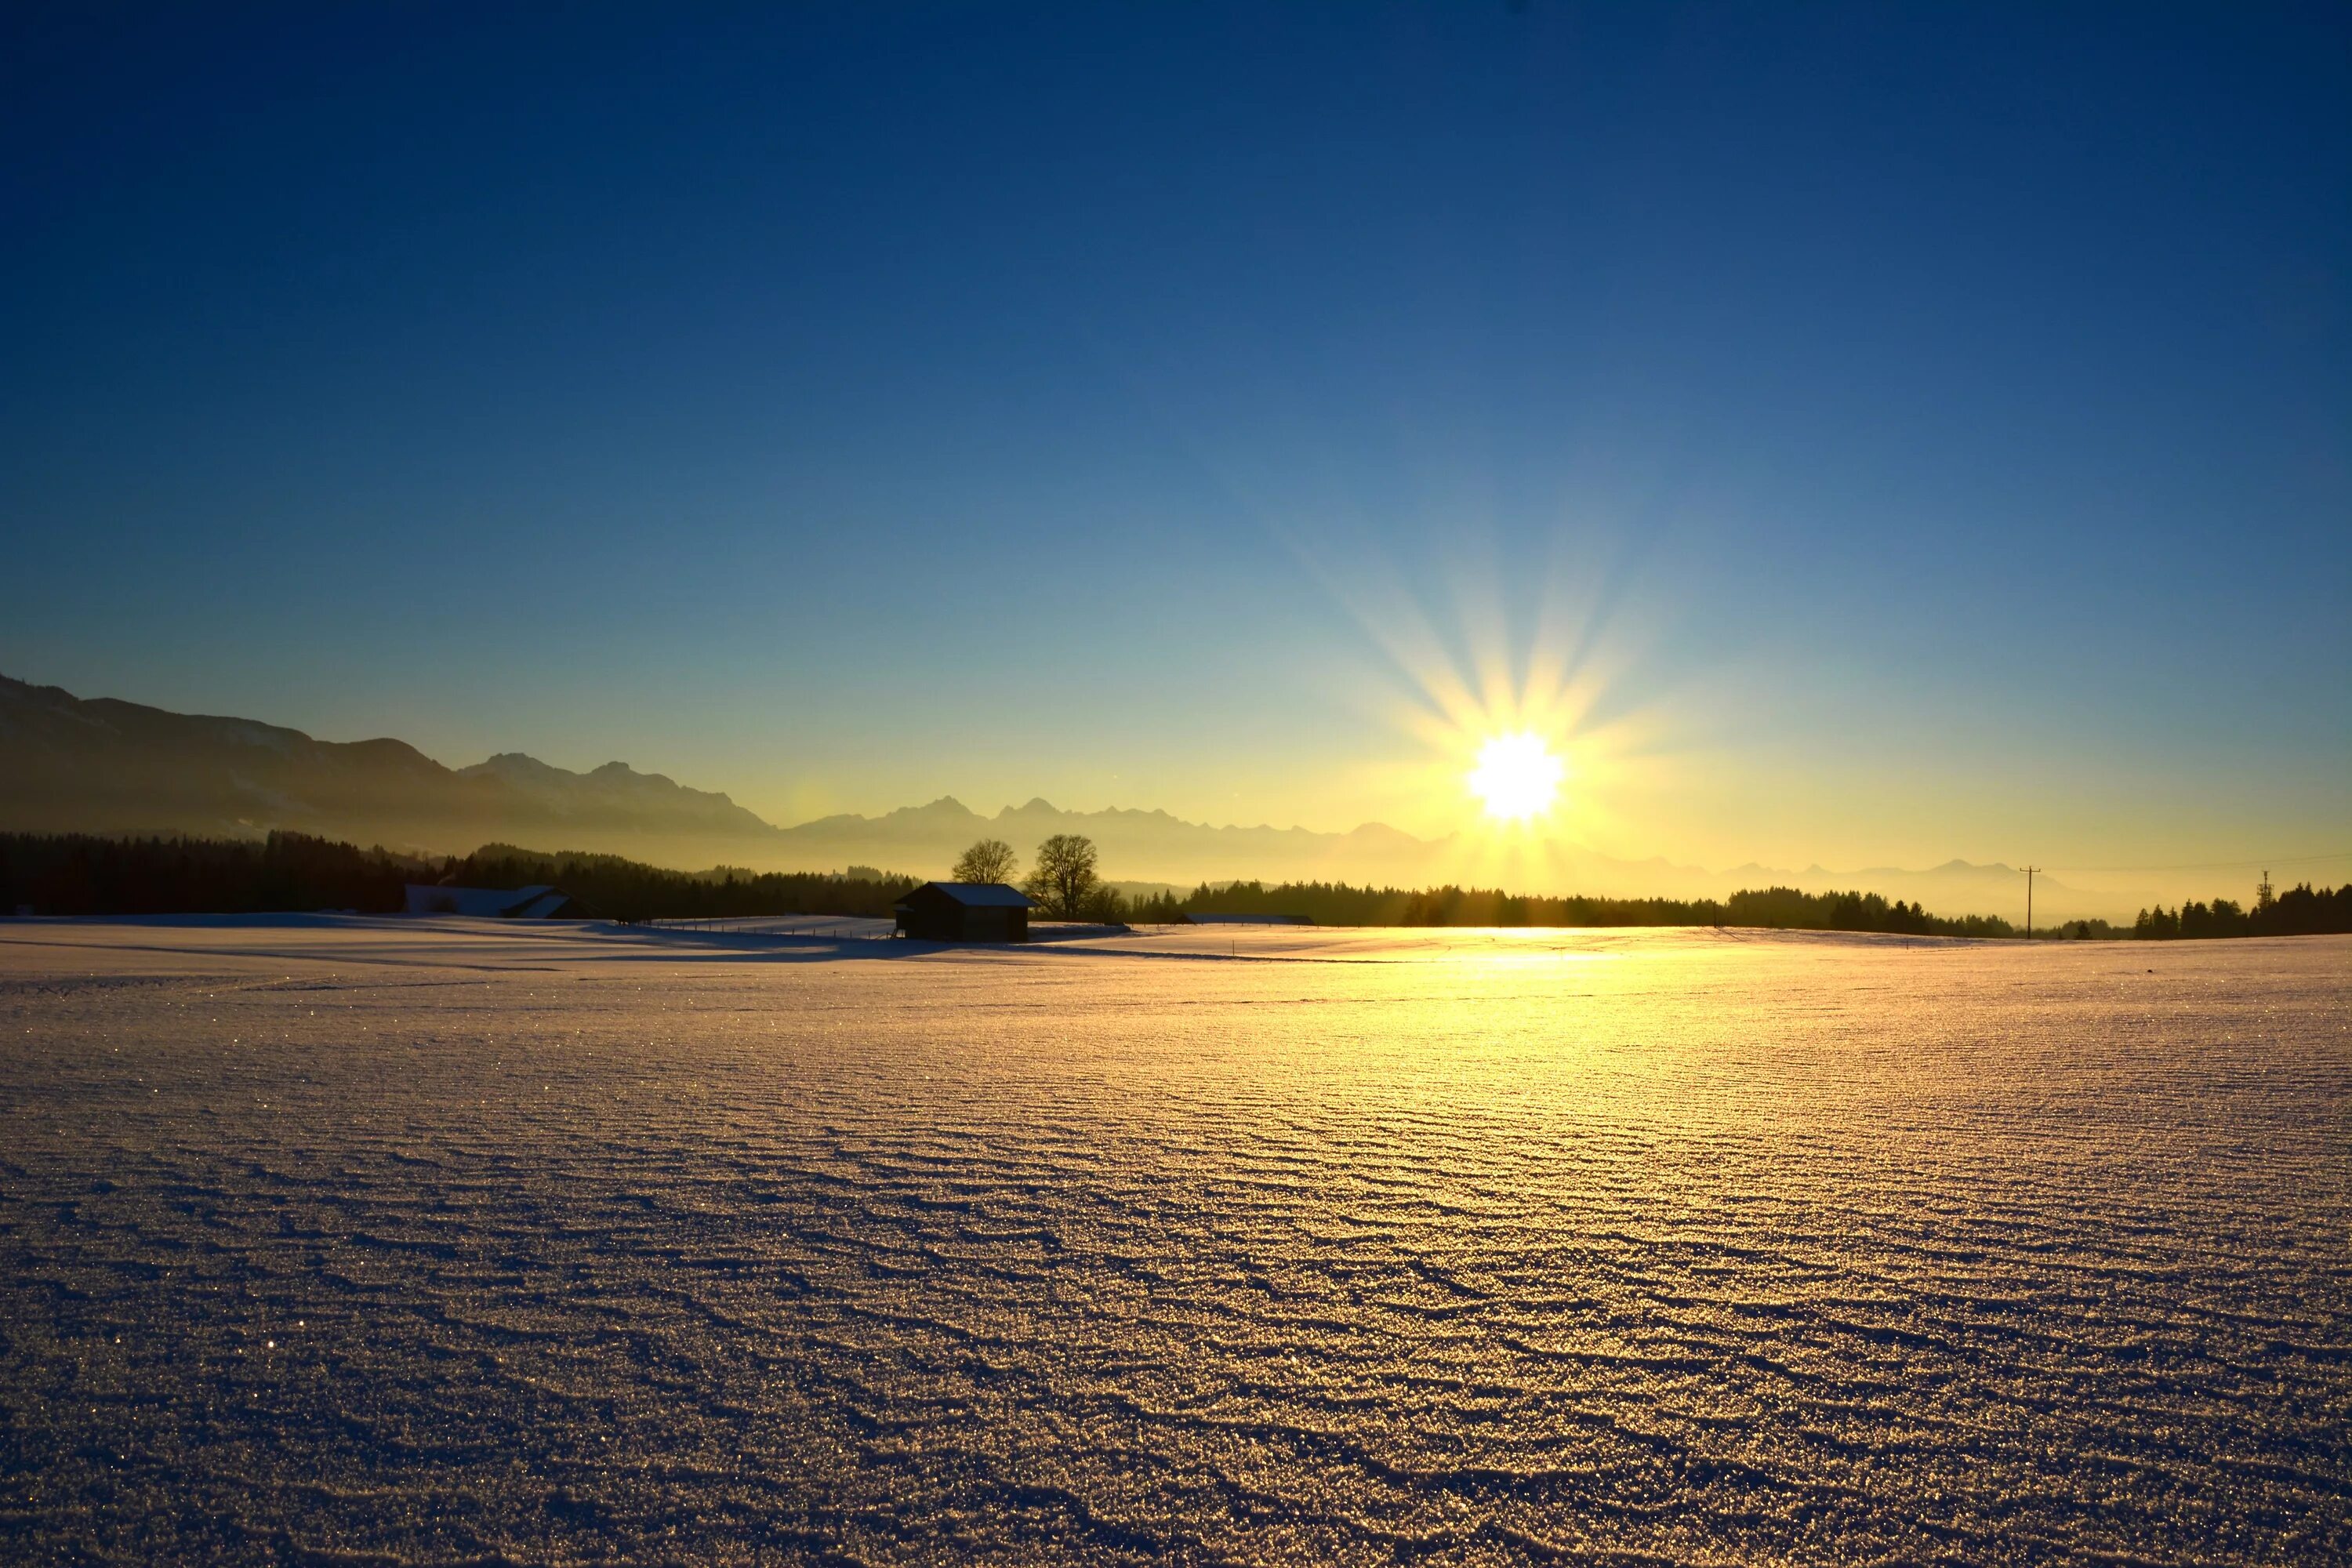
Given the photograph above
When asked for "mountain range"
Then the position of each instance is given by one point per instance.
(68, 764)
(74, 764)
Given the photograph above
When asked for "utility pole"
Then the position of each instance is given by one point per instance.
(2030, 871)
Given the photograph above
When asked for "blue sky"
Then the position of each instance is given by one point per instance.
(1933, 426)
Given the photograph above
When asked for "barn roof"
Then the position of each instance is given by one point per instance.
(980, 895)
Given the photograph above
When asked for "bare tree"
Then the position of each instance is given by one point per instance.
(1105, 905)
(1064, 877)
(990, 860)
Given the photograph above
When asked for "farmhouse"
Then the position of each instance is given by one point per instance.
(964, 912)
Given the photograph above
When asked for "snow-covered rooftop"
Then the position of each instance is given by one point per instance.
(982, 895)
(535, 902)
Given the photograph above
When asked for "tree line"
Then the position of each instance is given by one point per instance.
(1341, 904)
(85, 874)
(1065, 886)
(2301, 910)
(88, 874)
(624, 890)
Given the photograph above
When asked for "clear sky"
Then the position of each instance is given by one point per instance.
(1862, 434)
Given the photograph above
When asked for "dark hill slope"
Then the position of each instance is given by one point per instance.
(104, 766)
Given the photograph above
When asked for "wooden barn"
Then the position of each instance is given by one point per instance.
(964, 912)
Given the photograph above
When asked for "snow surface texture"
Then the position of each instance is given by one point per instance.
(379, 1241)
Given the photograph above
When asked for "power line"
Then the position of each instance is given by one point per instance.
(2257, 863)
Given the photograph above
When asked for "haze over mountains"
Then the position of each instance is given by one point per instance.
(71, 764)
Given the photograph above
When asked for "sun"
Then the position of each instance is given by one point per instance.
(1517, 776)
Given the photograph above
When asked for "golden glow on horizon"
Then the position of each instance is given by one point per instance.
(1518, 777)
(1530, 752)
(1475, 652)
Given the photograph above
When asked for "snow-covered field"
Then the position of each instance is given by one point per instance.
(349, 1240)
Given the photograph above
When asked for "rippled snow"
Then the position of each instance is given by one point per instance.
(374, 1241)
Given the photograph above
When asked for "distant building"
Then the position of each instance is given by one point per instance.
(964, 912)
(1244, 921)
(541, 903)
